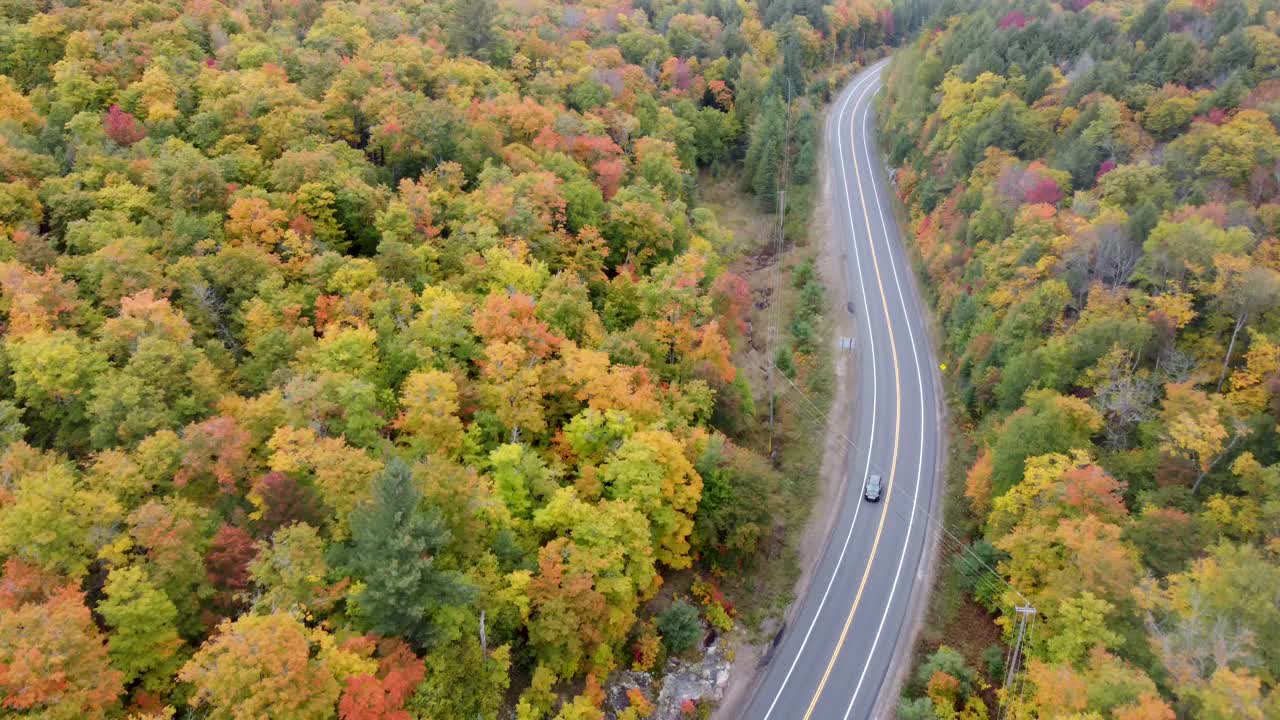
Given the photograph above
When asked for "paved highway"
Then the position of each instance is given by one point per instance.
(840, 648)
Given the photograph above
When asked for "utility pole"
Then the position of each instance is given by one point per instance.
(1015, 657)
(775, 301)
(780, 242)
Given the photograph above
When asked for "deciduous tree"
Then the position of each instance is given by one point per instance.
(144, 642)
(291, 572)
(383, 696)
(429, 416)
(54, 522)
(266, 665)
(53, 661)
(651, 471)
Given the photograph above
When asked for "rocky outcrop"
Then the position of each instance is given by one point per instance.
(702, 681)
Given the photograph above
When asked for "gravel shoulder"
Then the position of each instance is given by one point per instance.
(750, 658)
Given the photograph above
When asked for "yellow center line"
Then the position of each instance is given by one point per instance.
(897, 426)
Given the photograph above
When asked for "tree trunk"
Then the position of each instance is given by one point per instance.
(1244, 316)
(1204, 472)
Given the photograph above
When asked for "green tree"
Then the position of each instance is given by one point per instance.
(950, 662)
(463, 682)
(518, 473)
(53, 374)
(680, 627)
(920, 708)
(144, 641)
(1078, 626)
(650, 470)
(1048, 423)
(291, 572)
(739, 493)
(584, 204)
(55, 523)
(762, 167)
(1177, 251)
(393, 552)
(471, 28)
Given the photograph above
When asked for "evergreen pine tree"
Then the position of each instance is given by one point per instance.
(764, 156)
(471, 29)
(393, 552)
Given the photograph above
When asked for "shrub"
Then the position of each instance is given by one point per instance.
(994, 657)
(680, 627)
(645, 649)
(784, 362)
(718, 610)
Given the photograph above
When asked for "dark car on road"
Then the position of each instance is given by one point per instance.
(873, 489)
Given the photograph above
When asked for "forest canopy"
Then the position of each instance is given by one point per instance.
(329, 328)
(1093, 192)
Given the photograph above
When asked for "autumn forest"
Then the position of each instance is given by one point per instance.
(328, 329)
(1092, 189)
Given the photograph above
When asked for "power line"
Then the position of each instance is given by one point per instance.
(985, 580)
(1008, 658)
(1011, 672)
(920, 506)
(780, 239)
(1021, 681)
(775, 302)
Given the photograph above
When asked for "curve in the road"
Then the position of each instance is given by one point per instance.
(844, 547)
(897, 401)
(821, 673)
(915, 356)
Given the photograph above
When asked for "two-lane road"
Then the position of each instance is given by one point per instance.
(840, 647)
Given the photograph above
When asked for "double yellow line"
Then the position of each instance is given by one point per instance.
(897, 423)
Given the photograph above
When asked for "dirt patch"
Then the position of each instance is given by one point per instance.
(972, 631)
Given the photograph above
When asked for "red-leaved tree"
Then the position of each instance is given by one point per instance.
(123, 128)
(383, 697)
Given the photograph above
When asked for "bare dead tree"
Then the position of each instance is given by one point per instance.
(1176, 365)
(1077, 266)
(1117, 255)
(216, 305)
(1244, 296)
(1194, 643)
(1124, 400)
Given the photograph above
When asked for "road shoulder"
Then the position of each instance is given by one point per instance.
(750, 662)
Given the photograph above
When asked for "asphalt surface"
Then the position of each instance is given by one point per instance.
(839, 651)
